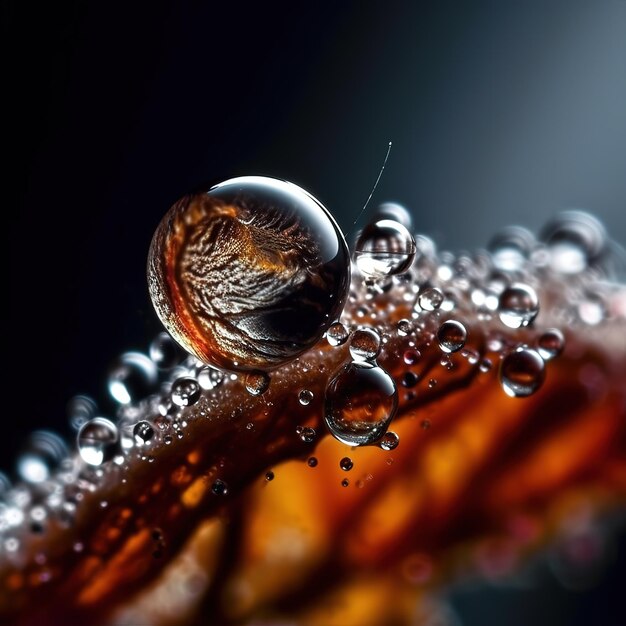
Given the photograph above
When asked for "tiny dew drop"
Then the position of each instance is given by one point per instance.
(346, 464)
(389, 441)
(142, 433)
(430, 299)
(404, 327)
(364, 344)
(345, 482)
(411, 357)
(550, 343)
(97, 440)
(305, 397)
(257, 382)
(337, 334)
(312, 461)
(451, 336)
(522, 372)
(185, 391)
(307, 434)
(269, 476)
(518, 305)
(219, 487)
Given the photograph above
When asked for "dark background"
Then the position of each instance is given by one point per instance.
(499, 112)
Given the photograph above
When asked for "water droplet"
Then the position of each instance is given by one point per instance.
(185, 391)
(361, 400)
(550, 343)
(522, 372)
(97, 441)
(346, 464)
(430, 299)
(518, 305)
(389, 441)
(257, 383)
(337, 334)
(131, 377)
(80, 409)
(404, 327)
(411, 357)
(269, 476)
(345, 482)
(574, 240)
(165, 352)
(41, 455)
(451, 336)
(305, 397)
(307, 434)
(312, 462)
(284, 281)
(384, 247)
(219, 487)
(364, 344)
(410, 379)
(485, 365)
(143, 433)
(167, 440)
(511, 248)
(210, 378)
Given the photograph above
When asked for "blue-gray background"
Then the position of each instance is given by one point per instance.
(499, 112)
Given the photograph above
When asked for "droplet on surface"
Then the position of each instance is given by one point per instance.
(575, 240)
(257, 383)
(451, 336)
(345, 482)
(404, 327)
(165, 352)
(430, 299)
(305, 397)
(518, 305)
(522, 372)
(249, 274)
(337, 334)
(550, 343)
(312, 461)
(307, 434)
(142, 432)
(346, 464)
(384, 248)
(97, 441)
(41, 455)
(219, 487)
(389, 441)
(131, 377)
(360, 401)
(511, 248)
(185, 391)
(364, 344)
(209, 378)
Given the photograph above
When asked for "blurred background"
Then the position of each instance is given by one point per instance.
(499, 113)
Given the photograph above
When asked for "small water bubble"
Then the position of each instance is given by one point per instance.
(337, 334)
(167, 440)
(131, 377)
(307, 434)
(384, 247)
(80, 409)
(143, 433)
(185, 391)
(389, 441)
(97, 441)
(522, 372)
(269, 476)
(257, 382)
(209, 378)
(165, 352)
(575, 240)
(485, 365)
(550, 343)
(451, 336)
(360, 401)
(518, 305)
(219, 487)
(346, 464)
(364, 344)
(41, 455)
(409, 379)
(305, 397)
(411, 357)
(432, 383)
(430, 299)
(404, 327)
(345, 482)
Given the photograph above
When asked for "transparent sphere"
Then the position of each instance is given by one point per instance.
(518, 305)
(249, 274)
(97, 441)
(522, 372)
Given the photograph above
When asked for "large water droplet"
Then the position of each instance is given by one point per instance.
(518, 305)
(97, 441)
(451, 336)
(257, 383)
(132, 377)
(575, 241)
(522, 372)
(364, 344)
(360, 402)
(337, 334)
(389, 441)
(41, 455)
(384, 248)
(165, 352)
(550, 343)
(185, 391)
(430, 299)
